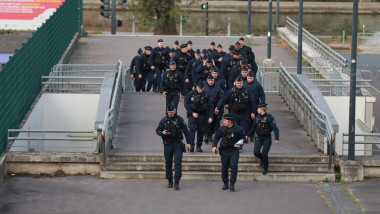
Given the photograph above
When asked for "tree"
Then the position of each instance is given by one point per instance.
(163, 15)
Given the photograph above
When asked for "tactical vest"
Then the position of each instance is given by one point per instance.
(229, 138)
(205, 73)
(209, 52)
(174, 127)
(159, 57)
(182, 62)
(145, 66)
(239, 101)
(171, 80)
(263, 126)
(198, 103)
(233, 63)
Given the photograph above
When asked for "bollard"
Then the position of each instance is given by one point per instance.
(133, 24)
(249, 17)
(180, 26)
(363, 34)
(229, 27)
(344, 37)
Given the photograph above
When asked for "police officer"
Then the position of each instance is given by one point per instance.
(202, 71)
(255, 88)
(199, 108)
(157, 61)
(190, 69)
(173, 83)
(228, 65)
(175, 48)
(182, 59)
(218, 56)
(249, 54)
(216, 95)
(219, 81)
(240, 103)
(171, 129)
(211, 49)
(262, 126)
(190, 50)
(230, 133)
(144, 73)
(132, 69)
(236, 70)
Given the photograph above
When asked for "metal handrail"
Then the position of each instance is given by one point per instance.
(321, 118)
(326, 52)
(111, 116)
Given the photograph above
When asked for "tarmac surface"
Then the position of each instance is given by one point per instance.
(87, 194)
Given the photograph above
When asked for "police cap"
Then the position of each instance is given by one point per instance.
(139, 50)
(190, 42)
(239, 78)
(204, 51)
(172, 62)
(231, 48)
(148, 48)
(183, 46)
(235, 52)
(198, 51)
(251, 74)
(209, 60)
(237, 43)
(245, 68)
(160, 40)
(219, 46)
(200, 84)
(176, 42)
(262, 105)
(212, 43)
(241, 39)
(170, 107)
(210, 76)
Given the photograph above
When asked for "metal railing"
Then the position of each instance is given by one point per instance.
(325, 51)
(20, 81)
(111, 116)
(269, 79)
(369, 39)
(42, 140)
(312, 118)
(372, 139)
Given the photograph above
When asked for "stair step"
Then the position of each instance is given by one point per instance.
(312, 159)
(215, 176)
(215, 167)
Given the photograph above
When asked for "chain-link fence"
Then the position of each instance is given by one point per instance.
(20, 78)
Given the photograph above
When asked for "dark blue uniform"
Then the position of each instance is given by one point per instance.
(132, 69)
(202, 105)
(221, 83)
(190, 72)
(182, 60)
(248, 53)
(201, 73)
(241, 105)
(158, 58)
(256, 91)
(216, 56)
(143, 68)
(228, 63)
(262, 126)
(229, 154)
(173, 143)
(216, 95)
(173, 83)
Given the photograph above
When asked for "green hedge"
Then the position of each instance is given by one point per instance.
(20, 77)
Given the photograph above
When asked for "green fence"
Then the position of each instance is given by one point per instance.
(20, 78)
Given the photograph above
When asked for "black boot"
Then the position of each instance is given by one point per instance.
(170, 183)
(210, 138)
(199, 149)
(232, 187)
(176, 184)
(225, 186)
(265, 171)
(192, 148)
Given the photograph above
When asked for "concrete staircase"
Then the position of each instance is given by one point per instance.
(204, 167)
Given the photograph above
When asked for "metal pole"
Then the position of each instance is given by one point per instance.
(180, 27)
(133, 25)
(300, 20)
(249, 17)
(277, 13)
(113, 24)
(229, 27)
(344, 37)
(206, 18)
(269, 47)
(351, 124)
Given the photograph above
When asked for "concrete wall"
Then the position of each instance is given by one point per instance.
(339, 105)
(3, 167)
(61, 112)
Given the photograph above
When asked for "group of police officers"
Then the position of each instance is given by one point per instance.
(209, 81)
